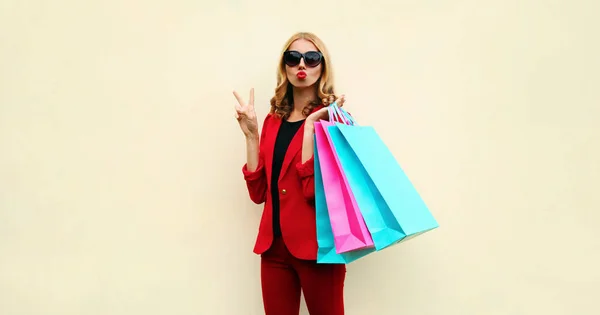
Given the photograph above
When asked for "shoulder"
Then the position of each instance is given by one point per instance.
(269, 122)
(270, 118)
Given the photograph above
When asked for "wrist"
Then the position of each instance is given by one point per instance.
(251, 136)
(309, 127)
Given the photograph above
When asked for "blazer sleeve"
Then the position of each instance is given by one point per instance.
(256, 181)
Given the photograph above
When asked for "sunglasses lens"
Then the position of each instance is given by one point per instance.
(312, 58)
(292, 58)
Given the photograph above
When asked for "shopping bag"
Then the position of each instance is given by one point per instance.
(327, 253)
(349, 229)
(391, 207)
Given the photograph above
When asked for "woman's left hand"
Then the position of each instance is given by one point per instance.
(323, 113)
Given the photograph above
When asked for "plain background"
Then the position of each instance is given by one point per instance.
(121, 190)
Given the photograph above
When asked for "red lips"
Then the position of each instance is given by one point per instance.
(301, 75)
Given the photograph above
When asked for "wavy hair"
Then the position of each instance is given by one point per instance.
(282, 102)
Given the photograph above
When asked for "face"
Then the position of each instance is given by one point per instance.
(304, 63)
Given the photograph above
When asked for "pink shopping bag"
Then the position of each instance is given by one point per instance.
(347, 224)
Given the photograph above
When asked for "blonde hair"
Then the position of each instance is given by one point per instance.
(282, 102)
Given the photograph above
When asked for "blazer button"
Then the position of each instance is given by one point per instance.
(283, 191)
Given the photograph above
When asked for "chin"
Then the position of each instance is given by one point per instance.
(301, 83)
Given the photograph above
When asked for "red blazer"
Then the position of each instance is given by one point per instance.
(296, 193)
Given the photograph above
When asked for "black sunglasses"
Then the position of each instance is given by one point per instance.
(311, 58)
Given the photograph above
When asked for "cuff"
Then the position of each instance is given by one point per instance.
(256, 174)
(307, 168)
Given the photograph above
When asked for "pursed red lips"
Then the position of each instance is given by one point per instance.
(301, 74)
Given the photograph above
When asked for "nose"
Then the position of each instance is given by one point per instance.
(301, 65)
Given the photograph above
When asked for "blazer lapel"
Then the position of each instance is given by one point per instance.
(270, 137)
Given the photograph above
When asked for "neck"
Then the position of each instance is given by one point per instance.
(302, 97)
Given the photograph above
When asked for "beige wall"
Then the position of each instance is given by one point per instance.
(120, 160)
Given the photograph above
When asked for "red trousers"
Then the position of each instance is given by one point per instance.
(283, 277)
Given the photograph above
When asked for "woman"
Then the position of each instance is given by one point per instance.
(279, 172)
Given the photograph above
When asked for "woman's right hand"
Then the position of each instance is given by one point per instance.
(245, 115)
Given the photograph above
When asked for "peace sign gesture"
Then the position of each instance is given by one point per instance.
(245, 115)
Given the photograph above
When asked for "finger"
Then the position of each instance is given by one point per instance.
(331, 99)
(237, 116)
(239, 98)
(324, 101)
(341, 100)
(251, 102)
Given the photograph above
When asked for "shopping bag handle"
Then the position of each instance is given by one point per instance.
(347, 115)
(334, 114)
(342, 114)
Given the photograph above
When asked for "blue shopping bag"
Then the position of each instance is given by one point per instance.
(391, 206)
(326, 253)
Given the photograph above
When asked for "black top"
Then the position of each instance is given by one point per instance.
(286, 132)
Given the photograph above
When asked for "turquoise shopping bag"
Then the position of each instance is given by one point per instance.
(326, 253)
(391, 206)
